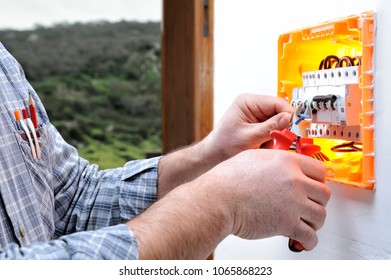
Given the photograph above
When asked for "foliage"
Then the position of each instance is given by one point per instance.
(100, 83)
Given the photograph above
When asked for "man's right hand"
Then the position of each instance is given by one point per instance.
(273, 192)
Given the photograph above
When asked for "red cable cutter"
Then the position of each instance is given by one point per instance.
(283, 140)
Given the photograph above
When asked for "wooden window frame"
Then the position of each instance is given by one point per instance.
(187, 72)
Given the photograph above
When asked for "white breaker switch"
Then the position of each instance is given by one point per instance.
(331, 100)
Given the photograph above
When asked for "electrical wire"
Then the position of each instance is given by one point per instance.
(358, 59)
(333, 61)
(347, 147)
(328, 62)
(347, 60)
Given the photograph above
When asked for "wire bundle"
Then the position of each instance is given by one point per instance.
(333, 61)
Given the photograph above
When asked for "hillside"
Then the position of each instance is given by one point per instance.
(100, 83)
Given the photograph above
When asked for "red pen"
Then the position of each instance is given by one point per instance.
(25, 114)
(33, 111)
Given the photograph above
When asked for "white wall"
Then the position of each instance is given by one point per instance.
(358, 225)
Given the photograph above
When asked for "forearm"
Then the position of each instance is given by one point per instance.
(188, 223)
(186, 164)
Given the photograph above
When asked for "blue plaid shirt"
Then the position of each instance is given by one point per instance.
(60, 206)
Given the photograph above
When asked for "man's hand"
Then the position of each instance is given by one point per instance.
(273, 192)
(247, 125)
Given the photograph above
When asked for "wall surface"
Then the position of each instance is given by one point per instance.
(358, 225)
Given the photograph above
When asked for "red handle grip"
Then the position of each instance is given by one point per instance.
(282, 140)
(306, 147)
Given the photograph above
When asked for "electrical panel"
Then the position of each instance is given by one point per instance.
(326, 72)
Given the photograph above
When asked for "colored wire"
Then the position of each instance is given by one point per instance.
(321, 156)
(332, 61)
(347, 60)
(301, 118)
(358, 59)
(347, 147)
(327, 63)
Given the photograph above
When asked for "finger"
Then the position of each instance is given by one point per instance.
(267, 145)
(312, 168)
(306, 236)
(318, 192)
(271, 105)
(314, 215)
(277, 122)
(264, 107)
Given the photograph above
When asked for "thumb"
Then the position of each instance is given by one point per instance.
(277, 122)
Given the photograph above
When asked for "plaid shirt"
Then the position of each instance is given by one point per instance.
(60, 206)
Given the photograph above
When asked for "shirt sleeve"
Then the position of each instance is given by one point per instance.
(87, 198)
(116, 242)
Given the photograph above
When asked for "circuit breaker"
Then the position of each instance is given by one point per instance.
(326, 72)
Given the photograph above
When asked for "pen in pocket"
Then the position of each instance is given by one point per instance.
(33, 111)
(31, 126)
(22, 126)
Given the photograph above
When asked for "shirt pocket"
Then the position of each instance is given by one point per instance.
(40, 171)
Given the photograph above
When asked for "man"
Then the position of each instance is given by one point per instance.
(179, 206)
